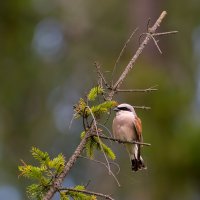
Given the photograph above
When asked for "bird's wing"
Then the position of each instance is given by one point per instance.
(138, 128)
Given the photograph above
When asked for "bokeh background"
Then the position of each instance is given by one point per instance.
(47, 51)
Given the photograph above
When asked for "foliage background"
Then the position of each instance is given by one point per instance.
(47, 51)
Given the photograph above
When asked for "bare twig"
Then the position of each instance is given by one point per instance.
(121, 53)
(142, 107)
(136, 90)
(156, 43)
(122, 141)
(71, 121)
(105, 128)
(137, 54)
(148, 24)
(97, 134)
(84, 126)
(154, 40)
(87, 192)
(165, 33)
(86, 185)
(151, 89)
(104, 164)
(100, 75)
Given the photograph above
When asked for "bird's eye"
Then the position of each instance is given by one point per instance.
(124, 108)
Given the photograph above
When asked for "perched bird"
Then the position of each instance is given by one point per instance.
(128, 127)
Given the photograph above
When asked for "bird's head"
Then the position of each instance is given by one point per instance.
(124, 107)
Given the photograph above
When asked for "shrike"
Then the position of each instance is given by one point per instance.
(128, 127)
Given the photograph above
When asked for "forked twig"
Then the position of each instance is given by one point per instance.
(132, 62)
(156, 43)
(104, 164)
(101, 76)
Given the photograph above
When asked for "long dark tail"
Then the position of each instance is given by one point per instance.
(137, 161)
(138, 164)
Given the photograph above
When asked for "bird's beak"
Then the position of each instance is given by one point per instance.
(116, 109)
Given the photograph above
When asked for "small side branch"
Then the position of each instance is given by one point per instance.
(149, 35)
(165, 33)
(142, 107)
(101, 76)
(87, 192)
(151, 89)
(121, 141)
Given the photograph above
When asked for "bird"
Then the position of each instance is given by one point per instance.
(127, 126)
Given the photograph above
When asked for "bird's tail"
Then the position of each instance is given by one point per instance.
(138, 164)
(136, 159)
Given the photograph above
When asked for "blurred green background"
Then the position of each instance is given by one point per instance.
(47, 51)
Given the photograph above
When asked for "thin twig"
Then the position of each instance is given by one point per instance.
(165, 33)
(151, 89)
(142, 107)
(122, 141)
(152, 37)
(136, 90)
(156, 43)
(71, 121)
(97, 134)
(100, 75)
(104, 164)
(87, 192)
(122, 51)
(148, 24)
(105, 128)
(84, 119)
(87, 184)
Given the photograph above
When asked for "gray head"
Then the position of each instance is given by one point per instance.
(124, 107)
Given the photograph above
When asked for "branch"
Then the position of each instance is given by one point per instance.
(137, 54)
(101, 76)
(58, 180)
(151, 89)
(121, 141)
(165, 33)
(142, 107)
(87, 192)
(56, 183)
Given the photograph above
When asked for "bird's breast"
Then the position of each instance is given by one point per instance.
(123, 127)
